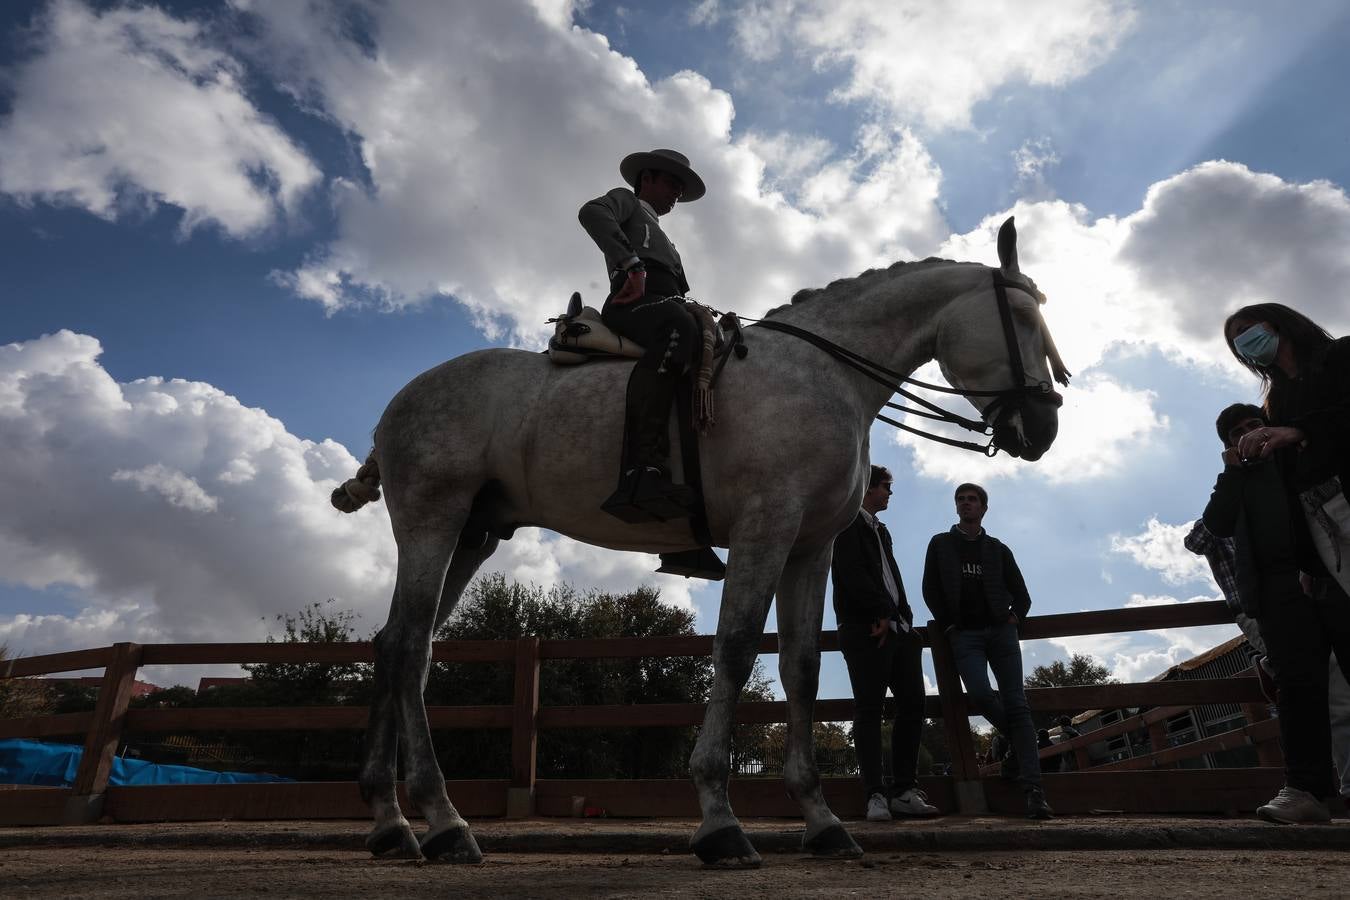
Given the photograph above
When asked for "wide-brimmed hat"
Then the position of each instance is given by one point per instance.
(671, 161)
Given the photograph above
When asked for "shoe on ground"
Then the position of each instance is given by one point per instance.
(1294, 807)
(914, 804)
(877, 810)
(1037, 808)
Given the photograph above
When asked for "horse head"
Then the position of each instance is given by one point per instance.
(1006, 361)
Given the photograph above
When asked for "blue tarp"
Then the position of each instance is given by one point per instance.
(55, 765)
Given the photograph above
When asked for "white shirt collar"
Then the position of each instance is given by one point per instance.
(648, 207)
(868, 517)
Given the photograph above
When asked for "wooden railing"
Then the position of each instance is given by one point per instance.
(1133, 785)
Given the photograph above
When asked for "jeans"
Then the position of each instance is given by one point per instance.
(1300, 634)
(997, 647)
(897, 664)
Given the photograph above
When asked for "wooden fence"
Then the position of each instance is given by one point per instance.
(1142, 784)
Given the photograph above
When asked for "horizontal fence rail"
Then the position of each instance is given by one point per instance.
(1128, 784)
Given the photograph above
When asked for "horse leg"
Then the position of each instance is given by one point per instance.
(426, 529)
(392, 837)
(753, 568)
(801, 606)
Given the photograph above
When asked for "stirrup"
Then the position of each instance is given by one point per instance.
(700, 563)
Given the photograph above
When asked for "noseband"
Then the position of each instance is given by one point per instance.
(1006, 401)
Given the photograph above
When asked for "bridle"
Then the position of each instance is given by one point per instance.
(1010, 399)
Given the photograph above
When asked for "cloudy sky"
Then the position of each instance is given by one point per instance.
(231, 232)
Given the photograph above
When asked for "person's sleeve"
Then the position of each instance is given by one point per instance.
(933, 596)
(603, 220)
(1221, 513)
(1200, 540)
(1252, 631)
(1016, 585)
(1330, 424)
(862, 589)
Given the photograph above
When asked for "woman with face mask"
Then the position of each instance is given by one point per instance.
(1305, 374)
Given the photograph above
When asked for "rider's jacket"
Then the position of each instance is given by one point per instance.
(623, 227)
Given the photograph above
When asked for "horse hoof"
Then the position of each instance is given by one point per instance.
(728, 847)
(454, 845)
(393, 842)
(833, 842)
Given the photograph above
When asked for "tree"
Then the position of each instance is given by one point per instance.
(494, 609)
(311, 684)
(23, 697)
(1081, 670)
(304, 754)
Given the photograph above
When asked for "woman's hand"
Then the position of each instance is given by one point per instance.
(1264, 441)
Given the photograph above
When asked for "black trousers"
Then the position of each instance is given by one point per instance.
(898, 665)
(666, 329)
(1300, 634)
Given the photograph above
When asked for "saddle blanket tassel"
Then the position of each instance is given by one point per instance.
(704, 417)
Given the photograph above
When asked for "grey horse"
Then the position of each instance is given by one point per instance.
(499, 439)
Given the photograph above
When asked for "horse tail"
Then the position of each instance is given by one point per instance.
(355, 493)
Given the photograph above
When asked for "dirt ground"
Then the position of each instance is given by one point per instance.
(146, 872)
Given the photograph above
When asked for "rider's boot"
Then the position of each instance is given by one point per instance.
(646, 492)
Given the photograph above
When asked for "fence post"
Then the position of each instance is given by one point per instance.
(970, 798)
(105, 732)
(524, 730)
(1268, 753)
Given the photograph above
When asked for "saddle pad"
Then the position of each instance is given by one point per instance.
(579, 338)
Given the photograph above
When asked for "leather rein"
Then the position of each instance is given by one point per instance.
(894, 380)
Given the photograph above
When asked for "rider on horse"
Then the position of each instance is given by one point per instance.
(646, 305)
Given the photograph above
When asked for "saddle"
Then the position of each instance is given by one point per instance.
(580, 336)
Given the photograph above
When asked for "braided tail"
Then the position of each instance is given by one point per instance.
(355, 493)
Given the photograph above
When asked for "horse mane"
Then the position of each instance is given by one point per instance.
(849, 285)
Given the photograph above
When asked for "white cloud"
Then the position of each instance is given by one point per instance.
(477, 167)
(1142, 655)
(105, 503)
(1032, 161)
(1159, 548)
(1101, 423)
(177, 488)
(120, 110)
(1219, 235)
(932, 63)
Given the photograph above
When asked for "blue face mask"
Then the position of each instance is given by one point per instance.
(1257, 345)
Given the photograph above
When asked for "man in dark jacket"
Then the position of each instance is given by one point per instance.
(881, 649)
(975, 591)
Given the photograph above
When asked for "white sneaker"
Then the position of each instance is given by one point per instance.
(913, 803)
(1294, 807)
(876, 809)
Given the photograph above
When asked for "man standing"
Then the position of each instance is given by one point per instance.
(975, 591)
(1265, 562)
(881, 649)
(646, 305)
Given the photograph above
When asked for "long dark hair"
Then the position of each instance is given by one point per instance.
(1308, 340)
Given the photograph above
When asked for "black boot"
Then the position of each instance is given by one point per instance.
(1037, 808)
(645, 492)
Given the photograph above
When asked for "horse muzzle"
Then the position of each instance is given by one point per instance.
(1027, 429)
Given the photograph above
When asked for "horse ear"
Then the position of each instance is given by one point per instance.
(1007, 247)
